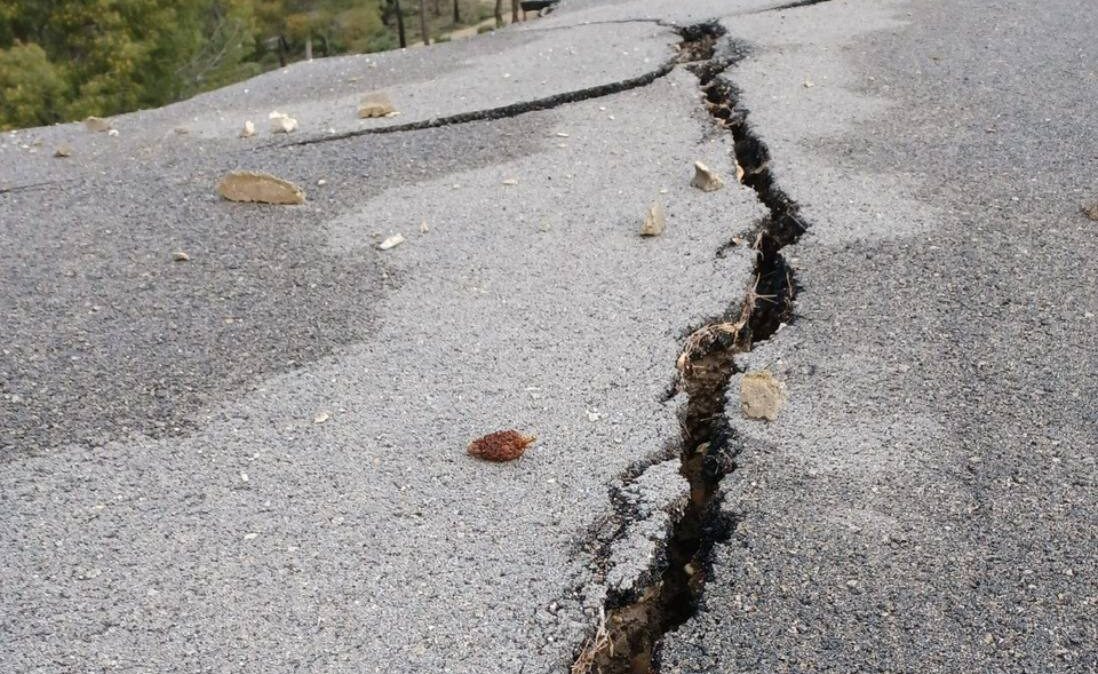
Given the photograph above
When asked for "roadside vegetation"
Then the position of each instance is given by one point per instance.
(63, 60)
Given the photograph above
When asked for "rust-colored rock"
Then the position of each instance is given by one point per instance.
(500, 446)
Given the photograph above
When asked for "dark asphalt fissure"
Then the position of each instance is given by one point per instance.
(504, 111)
(628, 641)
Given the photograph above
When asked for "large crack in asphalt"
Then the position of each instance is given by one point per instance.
(631, 628)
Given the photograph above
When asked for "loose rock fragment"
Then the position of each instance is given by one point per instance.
(180, 256)
(182, 130)
(375, 104)
(761, 395)
(63, 151)
(1091, 211)
(112, 133)
(739, 173)
(424, 227)
(321, 417)
(655, 220)
(500, 446)
(261, 188)
(281, 122)
(511, 182)
(391, 242)
(97, 124)
(705, 179)
(249, 129)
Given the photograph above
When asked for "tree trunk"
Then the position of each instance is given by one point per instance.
(400, 25)
(499, 13)
(457, 12)
(282, 50)
(514, 11)
(437, 7)
(309, 48)
(423, 22)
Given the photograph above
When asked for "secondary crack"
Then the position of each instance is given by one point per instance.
(505, 111)
(628, 636)
(29, 187)
(792, 5)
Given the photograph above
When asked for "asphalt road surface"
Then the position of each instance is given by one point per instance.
(254, 460)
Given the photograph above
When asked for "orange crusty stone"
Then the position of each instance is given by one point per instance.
(500, 446)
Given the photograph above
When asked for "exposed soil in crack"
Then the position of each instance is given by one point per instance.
(628, 637)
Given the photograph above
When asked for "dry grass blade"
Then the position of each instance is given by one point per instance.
(593, 648)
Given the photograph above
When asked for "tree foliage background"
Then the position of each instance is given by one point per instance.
(62, 60)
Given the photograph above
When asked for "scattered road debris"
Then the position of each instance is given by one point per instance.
(424, 227)
(808, 84)
(249, 129)
(391, 242)
(500, 446)
(97, 124)
(180, 256)
(511, 182)
(112, 133)
(739, 173)
(375, 104)
(182, 130)
(63, 151)
(761, 395)
(655, 220)
(321, 417)
(706, 179)
(264, 188)
(1091, 211)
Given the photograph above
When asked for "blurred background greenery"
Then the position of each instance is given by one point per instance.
(63, 60)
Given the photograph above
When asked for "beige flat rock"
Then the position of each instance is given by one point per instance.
(263, 188)
(97, 124)
(375, 104)
(761, 395)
